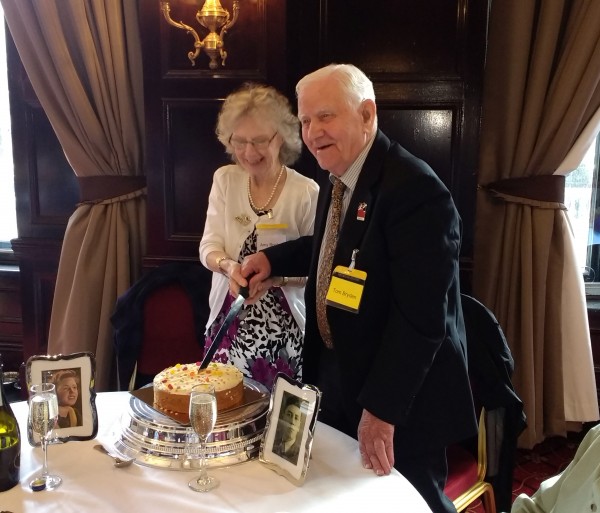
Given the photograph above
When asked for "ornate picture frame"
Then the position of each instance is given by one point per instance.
(290, 426)
(74, 376)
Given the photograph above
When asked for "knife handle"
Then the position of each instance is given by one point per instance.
(245, 291)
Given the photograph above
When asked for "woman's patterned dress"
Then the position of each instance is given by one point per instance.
(264, 339)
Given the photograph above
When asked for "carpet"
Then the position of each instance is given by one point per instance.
(538, 464)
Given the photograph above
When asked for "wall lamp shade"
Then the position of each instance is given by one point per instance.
(213, 17)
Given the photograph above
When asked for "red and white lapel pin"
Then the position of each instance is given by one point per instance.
(361, 212)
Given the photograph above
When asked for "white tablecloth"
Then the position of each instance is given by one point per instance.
(335, 481)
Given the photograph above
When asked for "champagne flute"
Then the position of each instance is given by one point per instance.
(203, 416)
(43, 415)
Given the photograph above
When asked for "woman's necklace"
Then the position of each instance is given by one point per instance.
(263, 210)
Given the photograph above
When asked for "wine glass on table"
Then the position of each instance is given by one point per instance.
(203, 416)
(43, 416)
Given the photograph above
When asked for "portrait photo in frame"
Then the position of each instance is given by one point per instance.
(290, 427)
(74, 377)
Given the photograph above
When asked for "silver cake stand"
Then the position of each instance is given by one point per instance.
(157, 440)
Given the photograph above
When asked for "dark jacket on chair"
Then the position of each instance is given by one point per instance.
(490, 369)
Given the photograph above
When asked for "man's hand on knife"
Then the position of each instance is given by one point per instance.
(253, 273)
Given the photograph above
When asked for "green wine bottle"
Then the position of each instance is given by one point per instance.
(10, 441)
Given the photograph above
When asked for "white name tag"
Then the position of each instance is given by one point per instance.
(268, 235)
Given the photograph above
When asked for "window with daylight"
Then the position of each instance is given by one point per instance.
(8, 214)
(583, 204)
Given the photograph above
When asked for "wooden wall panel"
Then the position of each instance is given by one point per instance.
(46, 188)
(46, 178)
(53, 185)
(11, 323)
(38, 263)
(594, 320)
(193, 153)
(395, 38)
(424, 132)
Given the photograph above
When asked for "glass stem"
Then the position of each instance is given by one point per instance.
(45, 451)
(203, 474)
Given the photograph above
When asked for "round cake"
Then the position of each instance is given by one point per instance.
(173, 386)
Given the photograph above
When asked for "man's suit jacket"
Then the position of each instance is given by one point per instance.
(403, 356)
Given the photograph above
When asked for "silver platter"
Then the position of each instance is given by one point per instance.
(157, 440)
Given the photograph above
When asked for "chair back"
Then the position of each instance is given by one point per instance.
(169, 335)
(486, 471)
(490, 369)
(160, 321)
(467, 472)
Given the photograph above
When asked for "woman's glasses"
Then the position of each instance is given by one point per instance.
(259, 144)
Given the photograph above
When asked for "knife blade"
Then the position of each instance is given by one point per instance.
(234, 309)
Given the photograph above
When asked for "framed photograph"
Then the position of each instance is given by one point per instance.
(74, 377)
(290, 427)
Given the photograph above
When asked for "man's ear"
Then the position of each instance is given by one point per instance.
(368, 111)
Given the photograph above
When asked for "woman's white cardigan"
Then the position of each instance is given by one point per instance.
(224, 230)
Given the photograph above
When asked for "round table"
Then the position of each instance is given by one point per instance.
(335, 480)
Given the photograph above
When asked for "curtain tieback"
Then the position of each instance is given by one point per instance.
(546, 191)
(97, 188)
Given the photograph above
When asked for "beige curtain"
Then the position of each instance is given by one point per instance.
(580, 398)
(83, 58)
(542, 87)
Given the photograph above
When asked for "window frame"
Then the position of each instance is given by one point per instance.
(592, 288)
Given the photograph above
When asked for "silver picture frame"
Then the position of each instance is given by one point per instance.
(79, 368)
(289, 432)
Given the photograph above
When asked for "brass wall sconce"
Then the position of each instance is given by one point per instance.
(213, 17)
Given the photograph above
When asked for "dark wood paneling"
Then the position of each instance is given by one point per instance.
(424, 132)
(45, 185)
(38, 262)
(52, 182)
(191, 144)
(11, 323)
(395, 38)
(594, 321)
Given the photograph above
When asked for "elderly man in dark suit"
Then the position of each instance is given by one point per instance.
(384, 333)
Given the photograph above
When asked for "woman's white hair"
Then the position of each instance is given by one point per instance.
(269, 105)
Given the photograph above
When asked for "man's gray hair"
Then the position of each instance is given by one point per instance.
(355, 84)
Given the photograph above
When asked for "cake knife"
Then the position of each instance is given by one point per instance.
(232, 314)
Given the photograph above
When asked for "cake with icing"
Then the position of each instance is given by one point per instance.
(173, 386)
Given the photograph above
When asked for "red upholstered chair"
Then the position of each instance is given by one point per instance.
(169, 332)
(160, 321)
(466, 474)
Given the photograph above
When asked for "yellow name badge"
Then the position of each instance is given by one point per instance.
(346, 288)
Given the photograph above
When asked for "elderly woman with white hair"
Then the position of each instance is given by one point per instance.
(257, 202)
